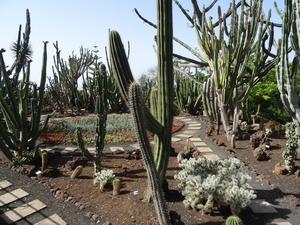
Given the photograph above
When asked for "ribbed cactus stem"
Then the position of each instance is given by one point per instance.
(44, 160)
(233, 220)
(137, 111)
(165, 85)
(116, 186)
(78, 170)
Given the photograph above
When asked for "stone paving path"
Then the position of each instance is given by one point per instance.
(21, 210)
(191, 132)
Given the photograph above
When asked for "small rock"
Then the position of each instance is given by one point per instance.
(89, 214)
(107, 223)
(260, 155)
(95, 217)
(280, 169)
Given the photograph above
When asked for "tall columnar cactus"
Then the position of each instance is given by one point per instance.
(19, 134)
(139, 122)
(286, 74)
(101, 109)
(160, 124)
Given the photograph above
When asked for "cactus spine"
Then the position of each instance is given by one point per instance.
(19, 133)
(137, 111)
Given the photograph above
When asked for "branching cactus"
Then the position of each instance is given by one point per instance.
(286, 74)
(101, 109)
(20, 133)
(289, 155)
(227, 45)
(161, 123)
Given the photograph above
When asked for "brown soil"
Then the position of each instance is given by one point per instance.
(129, 207)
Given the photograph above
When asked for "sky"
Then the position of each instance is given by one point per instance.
(86, 23)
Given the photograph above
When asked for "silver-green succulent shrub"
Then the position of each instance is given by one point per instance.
(104, 177)
(208, 184)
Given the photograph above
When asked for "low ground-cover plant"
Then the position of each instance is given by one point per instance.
(118, 126)
(114, 122)
(208, 184)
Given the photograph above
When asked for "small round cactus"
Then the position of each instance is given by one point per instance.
(233, 220)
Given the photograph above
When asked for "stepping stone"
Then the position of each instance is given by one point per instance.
(106, 151)
(189, 132)
(184, 135)
(279, 223)
(135, 146)
(12, 196)
(186, 119)
(194, 128)
(179, 117)
(91, 149)
(175, 139)
(195, 125)
(52, 220)
(20, 212)
(195, 139)
(199, 144)
(70, 149)
(211, 156)
(204, 149)
(49, 150)
(192, 122)
(115, 149)
(262, 206)
(4, 184)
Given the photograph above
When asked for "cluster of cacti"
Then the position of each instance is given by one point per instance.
(160, 122)
(187, 94)
(289, 155)
(227, 53)
(247, 115)
(286, 72)
(63, 89)
(19, 133)
(104, 177)
(101, 109)
(208, 184)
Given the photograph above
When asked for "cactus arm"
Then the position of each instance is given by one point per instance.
(165, 85)
(137, 111)
(81, 145)
(123, 75)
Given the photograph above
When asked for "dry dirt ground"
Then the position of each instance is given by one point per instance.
(129, 207)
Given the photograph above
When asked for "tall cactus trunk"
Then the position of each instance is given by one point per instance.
(165, 85)
(161, 123)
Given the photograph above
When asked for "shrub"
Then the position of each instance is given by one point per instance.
(208, 184)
